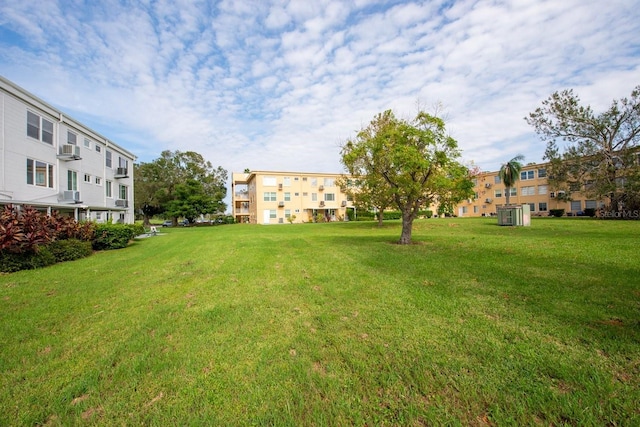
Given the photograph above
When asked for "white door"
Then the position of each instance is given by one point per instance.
(265, 216)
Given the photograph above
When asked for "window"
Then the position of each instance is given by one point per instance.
(98, 148)
(576, 205)
(542, 172)
(72, 138)
(497, 193)
(287, 213)
(513, 191)
(99, 216)
(305, 194)
(39, 128)
(272, 213)
(123, 163)
(87, 143)
(542, 189)
(296, 179)
(542, 206)
(476, 209)
(574, 186)
(87, 178)
(286, 181)
(39, 173)
(269, 181)
(528, 191)
(314, 197)
(107, 188)
(287, 197)
(304, 179)
(269, 196)
(72, 180)
(525, 175)
(329, 182)
(329, 197)
(107, 158)
(590, 204)
(123, 192)
(476, 195)
(475, 181)
(314, 182)
(98, 180)
(464, 209)
(496, 179)
(532, 207)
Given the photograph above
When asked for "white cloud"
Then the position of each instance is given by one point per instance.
(279, 84)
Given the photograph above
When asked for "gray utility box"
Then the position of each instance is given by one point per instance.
(514, 215)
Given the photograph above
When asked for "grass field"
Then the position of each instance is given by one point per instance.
(332, 324)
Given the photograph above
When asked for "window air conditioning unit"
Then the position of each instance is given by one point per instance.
(70, 150)
(122, 203)
(71, 196)
(121, 172)
(321, 203)
(279, 186)
(321, 188)
(344, 203)
(488, 200)
(487, 185)
(280, 204)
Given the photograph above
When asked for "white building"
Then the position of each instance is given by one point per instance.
(52, 162)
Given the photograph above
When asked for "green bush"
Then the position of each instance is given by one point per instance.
(69, 250)
(556, 212)
(115, 236)
(590, 212)
(12, 261)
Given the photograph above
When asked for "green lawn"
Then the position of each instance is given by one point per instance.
(332, 324)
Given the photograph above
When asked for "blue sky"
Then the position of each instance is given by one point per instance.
(280, 85)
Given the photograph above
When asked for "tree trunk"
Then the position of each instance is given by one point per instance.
(407, 226)
(380, 217)
(145, 221)
(507, 194)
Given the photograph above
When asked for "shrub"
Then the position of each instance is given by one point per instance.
(428, 214)
(556, 212)
(114, 236)
(16, 261)
(590, 212)
(69, 250)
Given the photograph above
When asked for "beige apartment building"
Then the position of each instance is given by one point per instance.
(532, 188)
(267, 197)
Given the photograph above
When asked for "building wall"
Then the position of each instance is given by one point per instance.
(532, 188)
(269, 197)
(34, 171)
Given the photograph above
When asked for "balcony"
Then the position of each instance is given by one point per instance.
(69, 152)
(121, 173)
(121, 203)
(243, 195)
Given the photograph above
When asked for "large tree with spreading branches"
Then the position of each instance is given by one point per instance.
(601, 153)
(412, 162)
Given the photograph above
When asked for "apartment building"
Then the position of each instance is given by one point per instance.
(532, 188)
(53, 162)
(267, 197)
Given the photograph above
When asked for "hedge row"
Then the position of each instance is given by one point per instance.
(31, 239)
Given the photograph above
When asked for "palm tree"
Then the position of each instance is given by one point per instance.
(510, 172)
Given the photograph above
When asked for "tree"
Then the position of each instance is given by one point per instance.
(157, 184)
(509, 173)
(190, 201)
(601, 157)
(412, 162)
